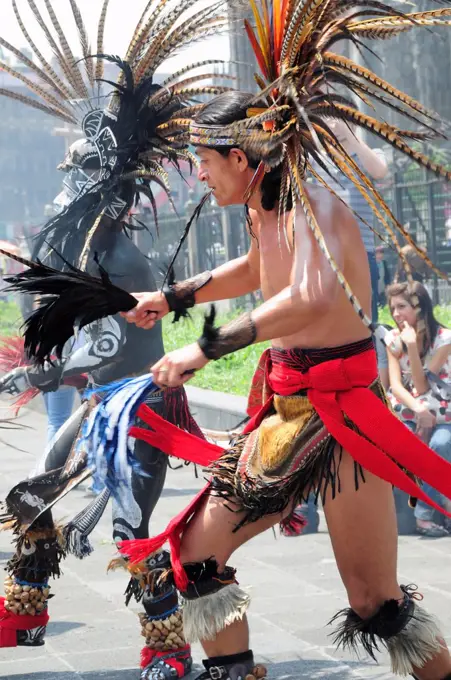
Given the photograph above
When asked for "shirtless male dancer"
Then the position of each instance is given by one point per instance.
(307, 257)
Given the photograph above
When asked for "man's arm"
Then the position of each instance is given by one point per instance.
(297, 306)
(231, 280)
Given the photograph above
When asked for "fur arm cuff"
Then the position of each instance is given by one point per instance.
(217, 342)
(181, 296)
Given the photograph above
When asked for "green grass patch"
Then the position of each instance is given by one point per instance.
(233, 373)
(10, 318)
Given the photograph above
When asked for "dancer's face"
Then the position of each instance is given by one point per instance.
(228, 176)
(401, 311)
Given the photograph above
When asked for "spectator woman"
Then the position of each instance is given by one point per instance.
(419, 360)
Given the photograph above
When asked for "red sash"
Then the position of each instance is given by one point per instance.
(334, 388)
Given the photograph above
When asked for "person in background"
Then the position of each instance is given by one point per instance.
(418, 266)
(384, 276)
(416, 359)
(59, 406)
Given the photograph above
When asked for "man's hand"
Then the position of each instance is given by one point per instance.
(151, 308)
(408, 335)
(15, 382)
(177, 367)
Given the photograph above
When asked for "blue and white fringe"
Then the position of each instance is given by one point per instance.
(105, 434)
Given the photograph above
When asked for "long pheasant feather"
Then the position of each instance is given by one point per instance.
(99, 70)
(84, 41)
(35, 68)
(67, 52)
(53, 45)
(37, 89)
(384, 85)
(29, 101)
(44, 63)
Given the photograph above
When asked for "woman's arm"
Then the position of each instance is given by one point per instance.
(419, 379)
(424, 419)
(439, 359)
(398, 389)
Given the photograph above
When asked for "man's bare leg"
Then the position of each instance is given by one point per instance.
(362, 526)
(210, 534)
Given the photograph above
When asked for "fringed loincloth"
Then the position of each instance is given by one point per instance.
(291, 453)
(302, 404)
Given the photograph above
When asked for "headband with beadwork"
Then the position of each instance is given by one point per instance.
(213, 135)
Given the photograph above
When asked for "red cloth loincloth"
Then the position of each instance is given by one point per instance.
(334, 388)
(10, 623)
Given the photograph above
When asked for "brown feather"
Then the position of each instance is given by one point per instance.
(61, 61)
(363, 72)
(99, 71)
(33, 67)
(175, 76)
(37, 105)
(67, 52)
(44, 63)
(84, 41)
(196, 79)
(37, 89)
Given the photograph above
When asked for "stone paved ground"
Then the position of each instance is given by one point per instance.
(295, 590)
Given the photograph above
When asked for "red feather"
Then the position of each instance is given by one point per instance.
(12, 355)
(256, 47)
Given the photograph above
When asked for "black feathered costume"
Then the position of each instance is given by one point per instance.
(126, 137)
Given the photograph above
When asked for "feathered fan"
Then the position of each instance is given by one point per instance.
(69, 300)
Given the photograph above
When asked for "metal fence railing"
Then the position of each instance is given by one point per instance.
(421, 202)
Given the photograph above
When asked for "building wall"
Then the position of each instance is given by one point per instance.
(29, 154)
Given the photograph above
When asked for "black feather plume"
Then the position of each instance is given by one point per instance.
(184, 236)
(69, 301)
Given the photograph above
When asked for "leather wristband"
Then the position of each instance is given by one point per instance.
(181, 296)
(217, 342)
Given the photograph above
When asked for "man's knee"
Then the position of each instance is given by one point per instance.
(364, 600)
(195, 549)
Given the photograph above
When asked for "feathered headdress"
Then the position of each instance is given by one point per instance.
(304, 86)
(131, 131)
